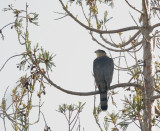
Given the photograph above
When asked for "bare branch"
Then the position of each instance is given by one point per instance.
(8, 60)
(133, 7)
(7, 25)
(61, 17)
(155, 97)
(88, 93)
(5, 92)
(155, 8)
(96, 30)
(138, 27)
(59, 13)
(134, 76)
(136, 49)
(156, 25)
(157, 91)
(124, 44)
(84, 14)
(111, 49)
(3, 28)
(39, 108)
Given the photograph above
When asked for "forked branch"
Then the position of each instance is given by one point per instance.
(115, 50)
(122, 45)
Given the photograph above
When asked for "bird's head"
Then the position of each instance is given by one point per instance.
(100, 53)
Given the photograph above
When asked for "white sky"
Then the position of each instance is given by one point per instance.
(74, 51)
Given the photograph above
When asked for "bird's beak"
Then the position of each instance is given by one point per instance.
(95, 51)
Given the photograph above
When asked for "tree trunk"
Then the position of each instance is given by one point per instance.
(148, 69)
(149, 86)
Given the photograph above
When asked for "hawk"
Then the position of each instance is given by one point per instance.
(103, 68)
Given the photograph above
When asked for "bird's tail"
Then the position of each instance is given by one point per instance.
(104, 101)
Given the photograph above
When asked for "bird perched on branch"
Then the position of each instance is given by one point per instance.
(103, 68)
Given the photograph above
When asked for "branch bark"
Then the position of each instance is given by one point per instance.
(158, 91)
(155, 8)
(155, 97)
(148, 69)
(88, 93)
(156, 25)
(96, 30)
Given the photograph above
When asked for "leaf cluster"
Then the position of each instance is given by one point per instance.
(71, 113)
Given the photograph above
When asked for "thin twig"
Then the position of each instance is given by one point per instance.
(138, 27)
(5, 92)
(6, 25)
(9, 59)
(136, 124)
(119, 62)
(133, 7)
(59, 13)
(61, 17)
(4, 122)
(39, 107)
(134, 76)
(74, 117)
(43, 117)
(75, 122)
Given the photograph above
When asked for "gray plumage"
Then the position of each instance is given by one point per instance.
(103, 71)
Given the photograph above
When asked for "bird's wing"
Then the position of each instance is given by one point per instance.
(108, 70)
(103, 69)
(98, 71)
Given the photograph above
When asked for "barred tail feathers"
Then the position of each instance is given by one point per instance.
(103, 87)
(104, 101)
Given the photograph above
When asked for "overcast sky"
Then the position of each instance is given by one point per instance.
(74, 50)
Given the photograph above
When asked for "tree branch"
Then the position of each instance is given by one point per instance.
(124, 44)
(61, 17)
(156, 25)
(133, 7)
(96, 30)
(155, 97)
(111, 49)
(134, 76)
(145, 10)
(7, 25)
(3, 28)
(155, 8)
(158, 91)
(88, 93)
(8, 60)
